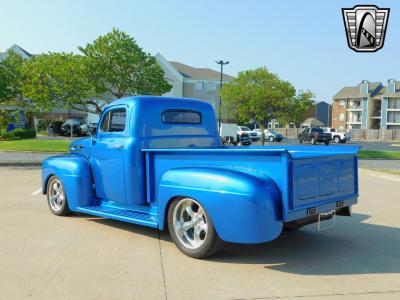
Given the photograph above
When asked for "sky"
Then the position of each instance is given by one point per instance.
(303, 41)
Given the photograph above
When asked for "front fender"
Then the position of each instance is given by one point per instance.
(75, 174)
(243, 208)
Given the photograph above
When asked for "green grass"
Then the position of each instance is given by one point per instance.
(36, 145)
(379, 154)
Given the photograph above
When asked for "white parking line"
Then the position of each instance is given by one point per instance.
(37, 192)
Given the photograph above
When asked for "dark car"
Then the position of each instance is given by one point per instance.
(79, 127)
(243, 139)
(315, 135)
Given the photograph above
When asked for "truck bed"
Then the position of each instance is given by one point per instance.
(317, 177)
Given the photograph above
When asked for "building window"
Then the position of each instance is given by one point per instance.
(199, 85)
(211, 86)
(342, 103)
(394, 103)
(393, 117)
(341, 117)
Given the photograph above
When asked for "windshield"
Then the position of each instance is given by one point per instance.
(72, 121)
(243, 128)
(316, 130)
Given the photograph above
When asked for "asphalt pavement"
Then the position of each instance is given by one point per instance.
(43, 256)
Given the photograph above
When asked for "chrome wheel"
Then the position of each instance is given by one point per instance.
(56, 195)
(190, 223)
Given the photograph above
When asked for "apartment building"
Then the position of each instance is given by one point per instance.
(369, 105)
(192, 82)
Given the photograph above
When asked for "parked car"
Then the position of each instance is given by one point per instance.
(315, 135)
(269, 135)
(243, 139)
(161, 164)
(251, 134)
(79, 127)
(336, 136)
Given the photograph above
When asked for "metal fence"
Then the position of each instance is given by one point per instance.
(356, 134)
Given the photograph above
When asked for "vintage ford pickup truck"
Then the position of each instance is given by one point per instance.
(159, 162)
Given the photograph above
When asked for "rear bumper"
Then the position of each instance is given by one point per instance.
(323, 207)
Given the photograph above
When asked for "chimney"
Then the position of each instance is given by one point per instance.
(364, 89)
(391, 87)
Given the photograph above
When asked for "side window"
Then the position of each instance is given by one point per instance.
(114, 121)
(105, 122)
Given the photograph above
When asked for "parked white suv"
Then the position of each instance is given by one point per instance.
(337, 137)
(244, 129)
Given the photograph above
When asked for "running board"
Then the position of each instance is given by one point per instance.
(121, 215)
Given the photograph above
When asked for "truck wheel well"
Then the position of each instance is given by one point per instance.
(167, 209)
(46, 182)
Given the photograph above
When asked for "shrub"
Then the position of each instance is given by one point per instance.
(4, 135)
(24, 133)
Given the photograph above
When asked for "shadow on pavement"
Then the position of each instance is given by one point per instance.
(351, 247)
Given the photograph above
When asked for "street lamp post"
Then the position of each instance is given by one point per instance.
(221, 63)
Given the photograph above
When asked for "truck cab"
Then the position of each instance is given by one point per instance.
(159, 162)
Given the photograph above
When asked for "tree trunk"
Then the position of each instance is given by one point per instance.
(262, 128)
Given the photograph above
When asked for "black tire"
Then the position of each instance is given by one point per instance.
(64, 208)
(271, 139)
(212, 243)
(326, 143)
(313, 141)
(301, 141)
(336, 139)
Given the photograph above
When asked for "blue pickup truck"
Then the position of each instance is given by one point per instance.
(159, 162)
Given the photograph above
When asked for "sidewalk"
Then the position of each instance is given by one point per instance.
(11, 158)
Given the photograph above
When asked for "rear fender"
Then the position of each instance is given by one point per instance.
(75, 174)
(243, 208)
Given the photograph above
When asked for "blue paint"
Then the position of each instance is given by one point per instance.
(249, 192)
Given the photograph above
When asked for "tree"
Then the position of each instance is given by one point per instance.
(118, 67)
(261, 95)
(57, 80)
(298, 107)
(10, 79)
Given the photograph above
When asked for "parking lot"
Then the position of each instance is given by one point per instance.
(83, 257)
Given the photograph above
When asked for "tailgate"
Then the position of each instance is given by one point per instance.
(321, 182)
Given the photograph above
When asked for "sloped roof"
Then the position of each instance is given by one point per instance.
(313, 122)
(21, 51)
(354, 91)
(199, 73)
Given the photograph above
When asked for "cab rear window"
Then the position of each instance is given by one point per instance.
(180, 116)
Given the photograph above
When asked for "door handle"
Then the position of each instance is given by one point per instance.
(119, 146)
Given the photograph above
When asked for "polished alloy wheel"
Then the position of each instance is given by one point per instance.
(190, 223)
(56, 195)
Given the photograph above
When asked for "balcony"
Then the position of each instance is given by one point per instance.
(354, 105)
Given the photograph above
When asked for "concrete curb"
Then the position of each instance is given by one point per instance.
(33, 152)
(20, 164)
(378, 174)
